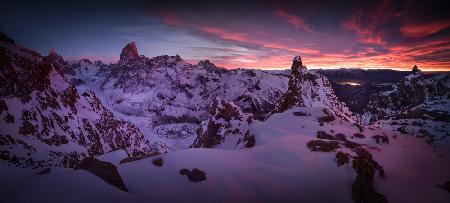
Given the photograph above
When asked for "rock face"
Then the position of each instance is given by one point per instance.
(309, 89)
(129, 52)
(104, 170)
(194, 175)
(418, 105)
(46, 122)
(168, 98)
(227, 128)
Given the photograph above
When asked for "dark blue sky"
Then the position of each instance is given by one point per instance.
(255, 34)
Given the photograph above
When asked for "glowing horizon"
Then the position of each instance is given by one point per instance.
(251, 34)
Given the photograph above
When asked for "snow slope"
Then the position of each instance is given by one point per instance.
(280, 168)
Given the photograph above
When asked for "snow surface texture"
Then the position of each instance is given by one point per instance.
(46, 122)
(280, 168)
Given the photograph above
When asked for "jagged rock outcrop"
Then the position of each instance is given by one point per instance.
(130, 56)
(418, 105)
(416, 70)
(129, 52)
(46, 122)
(227, 128)
(171, 97)
(104, 170)
(309, 89)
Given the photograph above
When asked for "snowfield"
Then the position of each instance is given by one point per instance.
(280, 168)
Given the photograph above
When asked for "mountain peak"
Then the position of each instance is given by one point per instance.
(415, 69)
(129, 51)
(297, 64)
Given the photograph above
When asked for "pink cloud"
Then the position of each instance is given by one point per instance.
(418, 30)
(367, 24)
(296, 21)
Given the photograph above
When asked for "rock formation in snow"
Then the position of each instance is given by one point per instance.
(168, 98)
(309, 89)
(227, 128)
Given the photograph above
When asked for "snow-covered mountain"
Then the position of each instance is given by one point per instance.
(310, 89)
(45, 121)
(168, 98)
(416, 105)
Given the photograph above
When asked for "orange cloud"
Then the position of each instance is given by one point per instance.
(424, 29)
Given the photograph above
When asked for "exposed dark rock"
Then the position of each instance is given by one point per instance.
(137, 158)
(340, 136)
(381, 139)
(342, 158)
(323, 146)
(363, 190)
(358, 135)
(360, 127)
(324, 135)
(250, 141)
(351, 145)
(105, 170)
(325, 119)
(158, 161)
(194, 175)
(305, 86)
(218, 127)
(129, 52)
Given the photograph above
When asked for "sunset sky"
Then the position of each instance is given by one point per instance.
(247, 34)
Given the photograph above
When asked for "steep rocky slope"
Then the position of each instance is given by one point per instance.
(309, 89)
(227, 128)
(45, 121)
(168, 98)
(416, 105)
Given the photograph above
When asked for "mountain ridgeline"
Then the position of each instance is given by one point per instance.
(55, 113)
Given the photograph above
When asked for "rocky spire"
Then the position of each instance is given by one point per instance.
(415, 69)
(310, 89)
(297, 64)
(129, 52)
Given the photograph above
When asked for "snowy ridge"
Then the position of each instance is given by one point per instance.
(309, 89)
(166, 94)
(46, 122)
